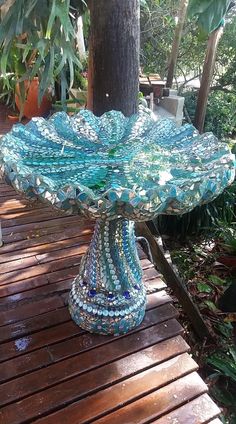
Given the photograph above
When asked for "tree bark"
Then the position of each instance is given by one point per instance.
(176, 43)
(114, 56)
(208, 70)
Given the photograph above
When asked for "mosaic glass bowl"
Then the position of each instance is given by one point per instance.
(117, 170)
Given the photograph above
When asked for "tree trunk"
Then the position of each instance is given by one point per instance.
(176, 43)
(80, 38)
(114, 56)
(208, 70)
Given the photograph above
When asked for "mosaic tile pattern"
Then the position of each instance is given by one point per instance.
(108, 296)
(114, 169)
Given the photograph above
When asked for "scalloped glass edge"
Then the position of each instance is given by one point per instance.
(136, 204)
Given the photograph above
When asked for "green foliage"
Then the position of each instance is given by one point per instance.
(225, 74)
(204, 288)
(227, 233)
(223, 362)
(202, 218)
(42, 33)
(221, 112)
(157, 29)
(209, 13)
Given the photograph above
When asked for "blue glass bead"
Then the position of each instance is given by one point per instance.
(126, 294)
(92, 292)
(137, 287)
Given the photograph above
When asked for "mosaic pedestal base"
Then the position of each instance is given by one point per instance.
(108, 296)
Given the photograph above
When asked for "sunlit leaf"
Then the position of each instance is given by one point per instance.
(216, 280)
(204, 288)
(210, 305)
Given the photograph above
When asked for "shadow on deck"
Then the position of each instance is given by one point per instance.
(51, 371)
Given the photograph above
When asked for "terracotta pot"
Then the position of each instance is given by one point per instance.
(13, 118)
(31, 107)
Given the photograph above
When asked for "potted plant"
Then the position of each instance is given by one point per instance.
(37, 44)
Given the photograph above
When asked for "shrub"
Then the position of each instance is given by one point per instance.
(221, 112)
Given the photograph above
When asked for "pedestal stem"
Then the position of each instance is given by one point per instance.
(108, 296)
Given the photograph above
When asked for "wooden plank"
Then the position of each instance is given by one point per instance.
(31, 309)
(17, 265)
(73, 347)
(22, 213)
(198, 411)
(64, 331)
(46, 377)
(32, 219)
(40, 269)
(43, 338)
(67, 330)
(27, 283)
(28, 260)
(36, 234)
(14, 283)
(48, 242)
(34, 324)
(9, 197)
(14, 208)
(78, 249)
(87, 360)
(24, 217)
(125, 374)
(39, 292)
(149, 407)
(53, 222)
(137, 411)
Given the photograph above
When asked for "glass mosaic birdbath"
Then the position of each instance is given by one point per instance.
(117, 170)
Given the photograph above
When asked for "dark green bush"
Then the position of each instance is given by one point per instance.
(221, 112)
(202, 218)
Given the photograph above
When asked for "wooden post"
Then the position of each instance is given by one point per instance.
(114, 56)
(208, 70)
(176, 43)
(174, 281)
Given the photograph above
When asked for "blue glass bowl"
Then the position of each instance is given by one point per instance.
(111, 166)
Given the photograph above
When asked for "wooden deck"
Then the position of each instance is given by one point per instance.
(51, 371)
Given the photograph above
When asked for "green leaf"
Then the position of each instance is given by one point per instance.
(232, 351)
(204, 288)
(216, 280)
(223, 396)
(225, 328)
(209, 13)
(210, 305)
(51, 19)
(224, 364)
